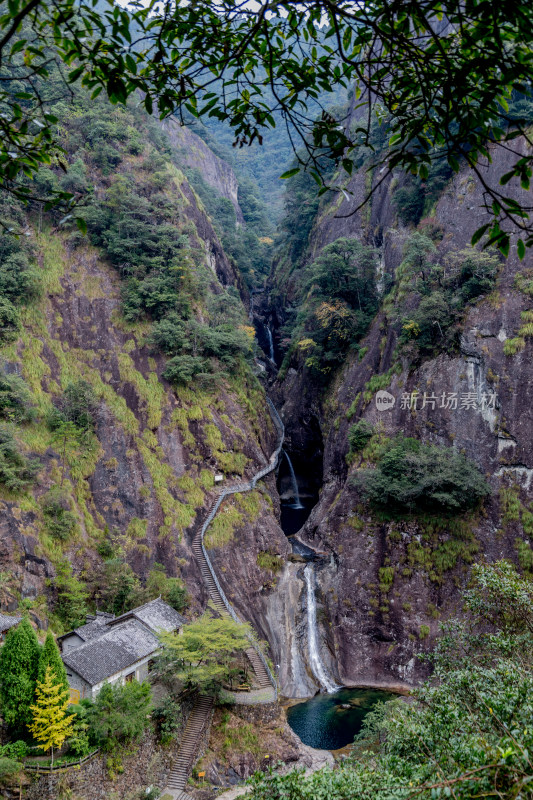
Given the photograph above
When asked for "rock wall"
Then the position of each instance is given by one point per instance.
(371, 636)
(194, 153)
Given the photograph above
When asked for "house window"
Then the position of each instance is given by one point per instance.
(129, 677)
(151, 664)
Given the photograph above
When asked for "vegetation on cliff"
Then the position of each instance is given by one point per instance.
(412, 476)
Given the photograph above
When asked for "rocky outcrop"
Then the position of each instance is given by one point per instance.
(193, 152)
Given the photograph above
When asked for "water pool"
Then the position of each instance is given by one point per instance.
(330, 721)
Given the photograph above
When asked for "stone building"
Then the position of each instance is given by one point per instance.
(109, 649)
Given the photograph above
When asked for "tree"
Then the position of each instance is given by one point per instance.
(203, 654)
(68, 438)
(118, 586)
(346, 270)
(359, 435)
(16, 471)
(72, 596)
(50, 723)
(171, 590)
(51, 657)
(120, 713)
(450, 78)
(19, 659)
(413, 476)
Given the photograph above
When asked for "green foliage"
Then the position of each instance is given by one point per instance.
(16, 471)
(9, 321)
(72, 597)
(270, 562)
(19, 282)
(339, 301)
(19, 660)
(120, 714)
(50, 657)
(359, 435)
(17, 750)
(117, 586)
(77, 405)
(203, 654)
(172, 590)
(168, 718)
(10, 770)
(412, 476)
(59, 521)
(15, 398)
(248, 245)
(431, 297)
(513, 346)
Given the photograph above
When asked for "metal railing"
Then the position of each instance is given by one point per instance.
(245, 487)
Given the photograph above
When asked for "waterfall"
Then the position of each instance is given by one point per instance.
(312, 632)
(270, 344)
(295, 492)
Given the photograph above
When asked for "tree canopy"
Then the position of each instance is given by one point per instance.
(19, 659)
(449, 77)
(203, 654)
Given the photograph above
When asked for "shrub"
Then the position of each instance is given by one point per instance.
(9, 321)
(270, 562)
(15, 398)
(120, 714)
(182, 369)
(16, 471)
(513, 346)
(168, 718)
(412, 476)
(359, 434)
(59, 520)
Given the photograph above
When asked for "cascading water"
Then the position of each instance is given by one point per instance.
(314, 655)
(270, 344)
(295, 490)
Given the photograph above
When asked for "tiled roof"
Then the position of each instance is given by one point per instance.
(156, 614)
(119, 647)
(8, 622)
(95, 627)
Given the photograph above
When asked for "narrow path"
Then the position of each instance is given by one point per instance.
(198, 719)
(267, 692)
(263, 674)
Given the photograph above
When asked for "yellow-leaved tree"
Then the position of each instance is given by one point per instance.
(50, 723)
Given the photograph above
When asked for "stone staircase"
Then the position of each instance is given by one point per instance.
(258, 667)
(187, 754)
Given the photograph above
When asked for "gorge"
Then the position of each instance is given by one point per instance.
(302, 411)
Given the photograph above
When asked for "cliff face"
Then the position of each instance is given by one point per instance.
(144, 481)
(372, 628)
(193, 152)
